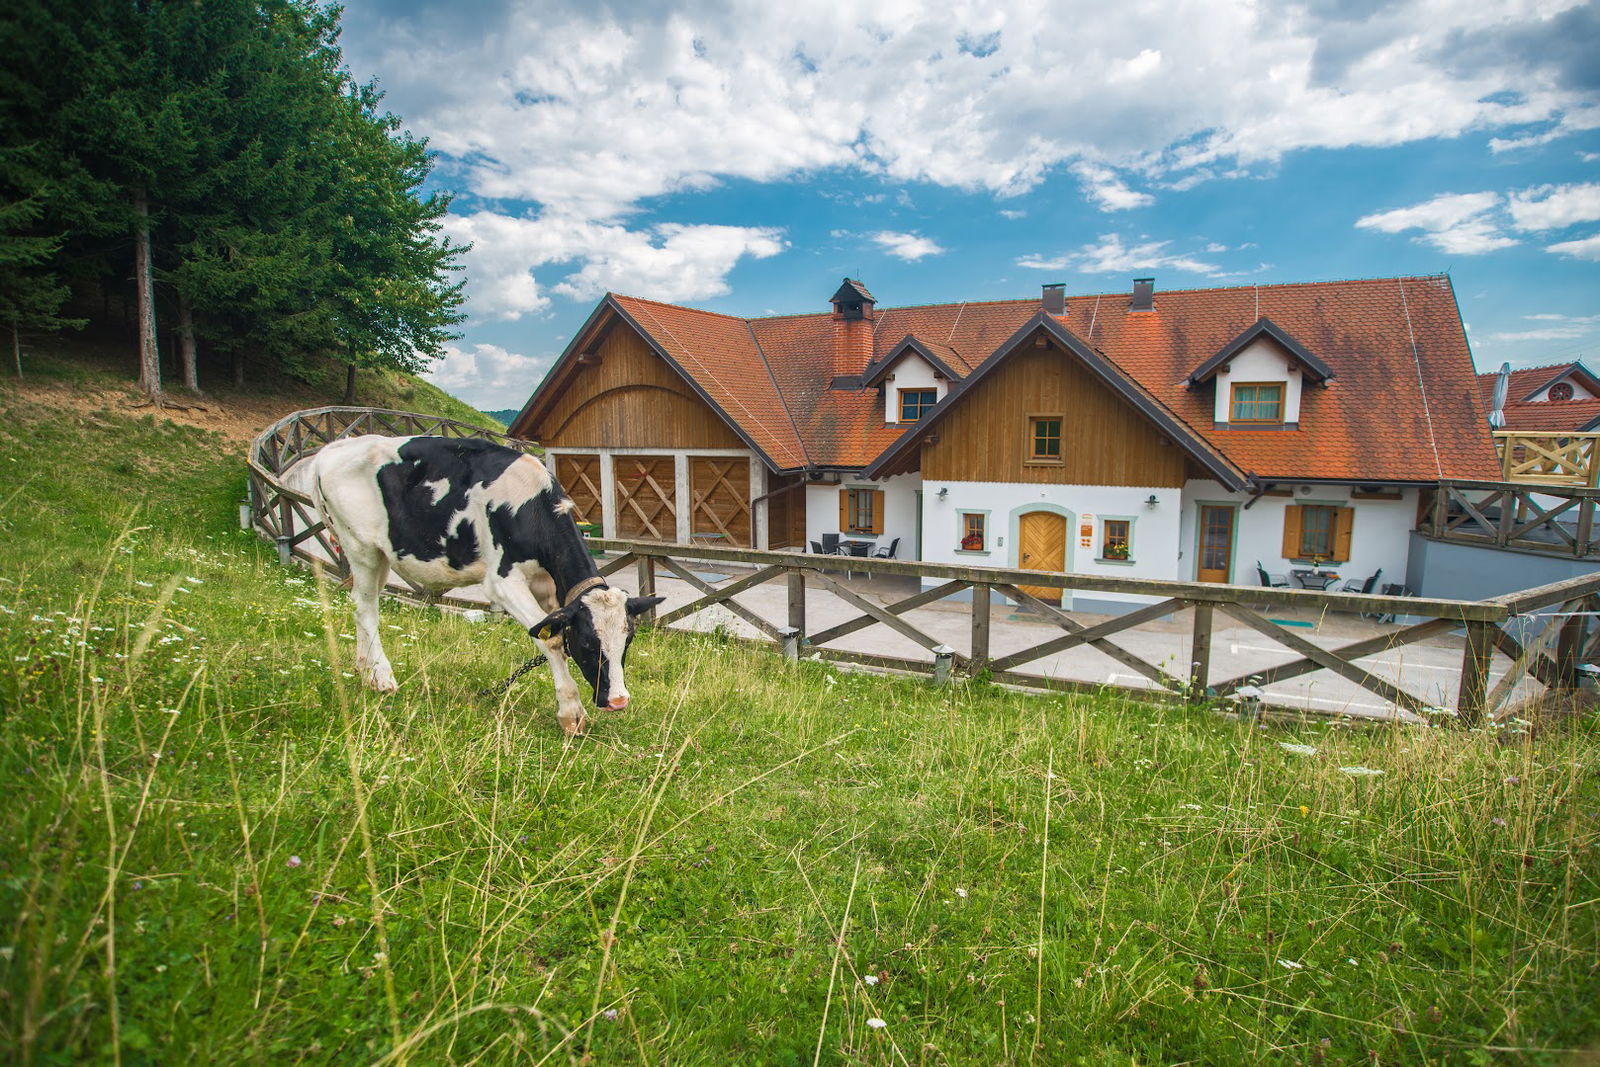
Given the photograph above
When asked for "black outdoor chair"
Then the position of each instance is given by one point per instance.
(1356, 585)
(1271, 581)
(830, 544)
(887, 551)
(816, 548)
(1394, 589)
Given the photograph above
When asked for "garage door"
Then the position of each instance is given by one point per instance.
(720, 500)
(645, 487)
(579, 475)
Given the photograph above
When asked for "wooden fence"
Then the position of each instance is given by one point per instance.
(1552, 520)
(1549, 458)
(1548, 650)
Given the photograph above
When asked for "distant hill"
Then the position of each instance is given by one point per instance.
(504, 417)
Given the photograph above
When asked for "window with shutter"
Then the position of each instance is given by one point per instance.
(861, 511)
(1317, 532)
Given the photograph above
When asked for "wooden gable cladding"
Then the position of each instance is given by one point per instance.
(1104, 439)
(579, 475)
(625, 396)
(646, 489)
(720, 508)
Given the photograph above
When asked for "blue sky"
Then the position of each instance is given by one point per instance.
(744, 158)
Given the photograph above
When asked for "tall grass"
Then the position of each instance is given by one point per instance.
(218, 846)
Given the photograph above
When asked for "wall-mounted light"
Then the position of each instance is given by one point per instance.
(944, 491)
(1151, 501)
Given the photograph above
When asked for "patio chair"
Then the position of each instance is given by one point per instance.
(1356, 585)
(816, 548)
(1271, 581)
(887, 551)
(830, 544)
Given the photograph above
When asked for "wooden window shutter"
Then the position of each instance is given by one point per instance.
(1344, 521)
(844, 509)
(877, 511)
(1291, 531)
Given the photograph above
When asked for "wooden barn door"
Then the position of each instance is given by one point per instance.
(1042, 546)
(579, 475)
(720, 509)
(645, 488)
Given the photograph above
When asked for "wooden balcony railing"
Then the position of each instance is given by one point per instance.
(1550, 519)
(1549, 459)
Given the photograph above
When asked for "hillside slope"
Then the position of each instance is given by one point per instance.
(218, 847)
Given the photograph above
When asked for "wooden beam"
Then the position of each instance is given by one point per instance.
(1066, 622)
(1200, 653)
(1316, 653)
(899, 607)
(1354, 651)
(1476, 655)
(1089, 634)
(865, 606)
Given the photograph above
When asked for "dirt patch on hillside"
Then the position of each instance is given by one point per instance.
(239, 418)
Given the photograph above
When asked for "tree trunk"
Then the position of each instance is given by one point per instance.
(16, 348)
(186, 349)
(238, 368)
(350, 384)
(149, 356)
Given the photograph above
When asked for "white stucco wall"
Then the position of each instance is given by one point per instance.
(911, 372)
(1380, 535)
(1578, 391)
(1154, 536)
(899, 512)
(1261, 361)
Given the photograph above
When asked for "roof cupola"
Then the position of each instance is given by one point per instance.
(852, 301)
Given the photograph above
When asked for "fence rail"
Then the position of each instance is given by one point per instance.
(1551, 520)
(1547, 651)
(1549, 458)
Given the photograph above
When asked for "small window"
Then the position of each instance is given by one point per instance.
(1561, 391)
(974, 535)
(1257, 402)
(1044, 439)
(1316, 531)
(915, 403)
(1114, 539)
(861, 511)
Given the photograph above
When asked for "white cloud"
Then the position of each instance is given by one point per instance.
(590, 110)
(667, 262)
(487, 376)
(907, 246)
(1460, 223)
(1549, 207)
(1560, 328)
(1110, 256)
(1106, 190)
(1582, 248)
(1009, 213)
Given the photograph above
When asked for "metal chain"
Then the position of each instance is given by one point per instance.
(498, 690)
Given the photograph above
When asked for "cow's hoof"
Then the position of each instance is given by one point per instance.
(573, 728)
(382, 683)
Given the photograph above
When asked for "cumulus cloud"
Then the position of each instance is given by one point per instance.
(1106, 190)
(592, 109)
(1582, 248)
(907, 246)
(1549, 207)
(668, 262)
(487, 376)
(1460, 223)
(1110, 256)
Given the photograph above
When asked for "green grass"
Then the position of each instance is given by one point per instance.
(218, 847)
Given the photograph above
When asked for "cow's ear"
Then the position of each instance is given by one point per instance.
(552, 625)
(638, 605)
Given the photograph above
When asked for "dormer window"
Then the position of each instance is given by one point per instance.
(1561, 391)
(915, 403)
(1256, 402)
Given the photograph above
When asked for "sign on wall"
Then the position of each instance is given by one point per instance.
(1086, 531)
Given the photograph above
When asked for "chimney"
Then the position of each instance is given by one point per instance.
(852, 332)
(1144, 295)
(1054, 299)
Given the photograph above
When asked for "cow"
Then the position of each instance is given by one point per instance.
(445, 512)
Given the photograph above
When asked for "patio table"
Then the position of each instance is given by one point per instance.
(1319, 580)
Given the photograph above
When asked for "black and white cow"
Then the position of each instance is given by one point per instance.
(446, 512)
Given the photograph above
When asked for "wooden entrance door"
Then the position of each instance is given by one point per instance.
(1216, 543)
(1042, 546)
(579, 475)
(645, 493)
(720, 512)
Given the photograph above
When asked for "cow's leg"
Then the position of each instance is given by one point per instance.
(514, 596)
(368, 572)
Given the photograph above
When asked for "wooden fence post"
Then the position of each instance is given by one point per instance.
(646, 568)
(797, 602)
(1569, 644)
(1441, 509)
(982, 610)
(1200, 654)
(1477, 651)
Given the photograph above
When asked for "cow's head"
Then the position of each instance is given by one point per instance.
(595, 631)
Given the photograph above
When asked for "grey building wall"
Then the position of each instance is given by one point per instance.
(1472, 572)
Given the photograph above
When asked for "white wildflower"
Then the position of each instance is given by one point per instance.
(1298, 750)
(1291, 965)
(1359, 771)
(876, 1024)
(870, 979)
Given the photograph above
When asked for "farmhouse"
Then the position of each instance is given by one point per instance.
(1186, 434)
(1550, 399)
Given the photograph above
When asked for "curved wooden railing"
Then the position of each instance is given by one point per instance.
(287, 515)
(1543, 633)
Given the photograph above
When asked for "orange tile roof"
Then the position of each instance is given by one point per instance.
(1404, 404)
(1552, 415)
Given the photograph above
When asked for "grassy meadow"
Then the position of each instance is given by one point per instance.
(216, 846)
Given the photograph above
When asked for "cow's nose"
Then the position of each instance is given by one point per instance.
(619, 701)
